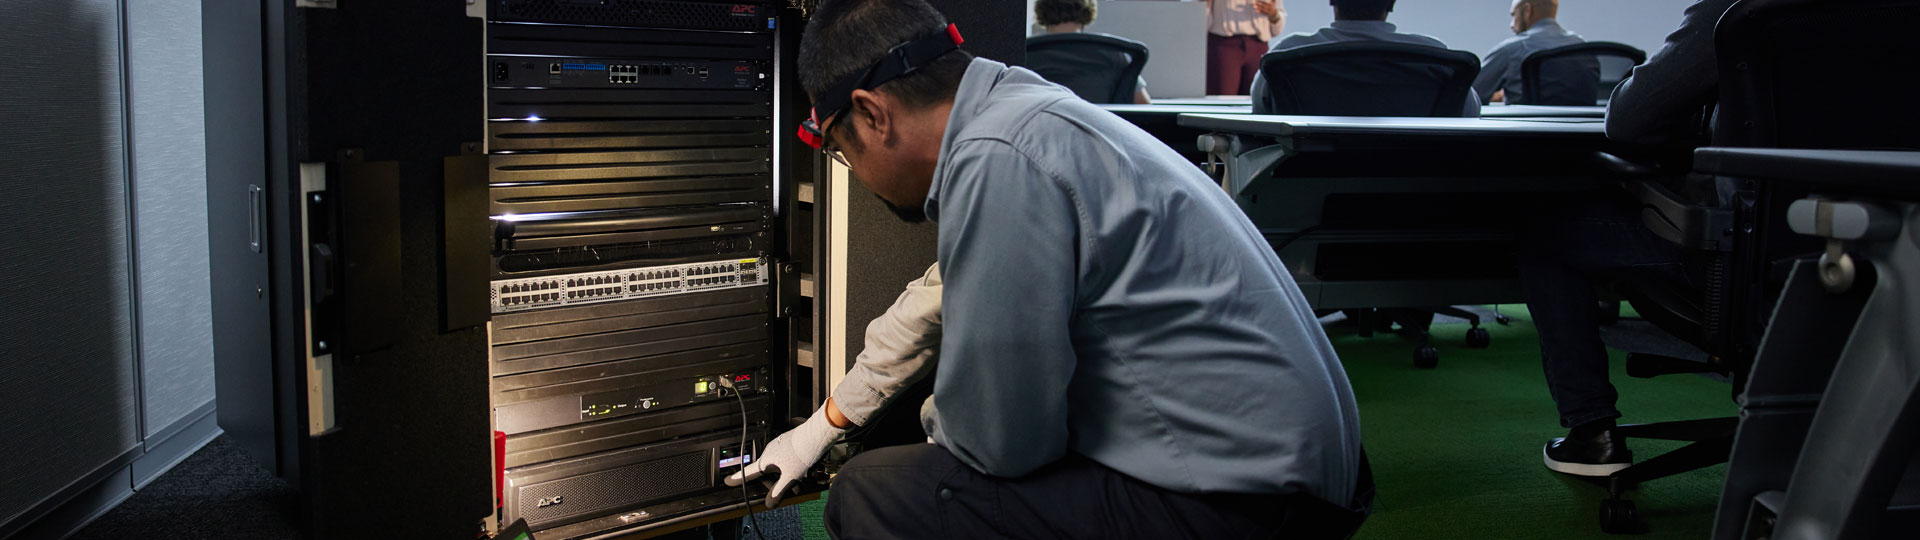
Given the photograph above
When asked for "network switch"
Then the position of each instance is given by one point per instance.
(606, 286)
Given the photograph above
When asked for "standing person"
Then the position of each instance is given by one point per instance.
(1237, 35)
(1121, 354)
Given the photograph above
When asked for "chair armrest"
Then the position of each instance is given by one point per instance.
(1628, 168)
(1689, 225)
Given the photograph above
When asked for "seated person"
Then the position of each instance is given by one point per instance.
(1358, 20)
(1073, 16)
(1533, 21)
(1661, 101)
(1565, 251)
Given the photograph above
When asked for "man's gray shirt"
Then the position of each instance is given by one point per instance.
(1104, 297)
(1345, 31)
(1501, 68)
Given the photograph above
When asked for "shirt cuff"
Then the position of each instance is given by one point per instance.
(856, 397)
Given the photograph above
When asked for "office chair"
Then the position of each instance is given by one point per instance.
(1770, 96)
(1376, 78)
(1577, 74)
(1367, 78)
(1100, 68)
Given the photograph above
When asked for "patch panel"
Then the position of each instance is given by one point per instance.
(606, 286)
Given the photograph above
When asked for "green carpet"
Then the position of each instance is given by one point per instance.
(1456, 450)
(810, 513)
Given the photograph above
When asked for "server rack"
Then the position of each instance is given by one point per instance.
(512, 260)
(631, 183)
(489, 261)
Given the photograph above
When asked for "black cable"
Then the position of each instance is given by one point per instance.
(745, 497)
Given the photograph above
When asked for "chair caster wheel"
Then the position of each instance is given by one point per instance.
(1426, 357)
(1479, 338)
(1502, 319)
(1618, 516)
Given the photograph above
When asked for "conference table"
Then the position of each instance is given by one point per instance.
(1162, 117)
(1372, 212)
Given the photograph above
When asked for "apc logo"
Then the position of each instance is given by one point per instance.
(745, 9)
(550, 501)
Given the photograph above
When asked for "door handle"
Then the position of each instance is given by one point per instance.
(256, 217)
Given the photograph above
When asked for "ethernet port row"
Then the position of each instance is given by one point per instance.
(529, 299)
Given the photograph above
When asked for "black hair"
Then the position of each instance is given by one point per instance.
(1052, 12)
(1362, 10)
(845, 37)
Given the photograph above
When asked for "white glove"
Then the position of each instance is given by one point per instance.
(790, 455)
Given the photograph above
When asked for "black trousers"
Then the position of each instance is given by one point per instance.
(922, 491)
(1566, 249)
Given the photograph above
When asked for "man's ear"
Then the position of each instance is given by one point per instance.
(879, 118)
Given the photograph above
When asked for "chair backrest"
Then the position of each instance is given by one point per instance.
(1367, 78)
(1577, 74)
(1100, 68)
(1818, 74)
(1797, 74)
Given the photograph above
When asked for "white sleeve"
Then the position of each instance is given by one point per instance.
(901, 347)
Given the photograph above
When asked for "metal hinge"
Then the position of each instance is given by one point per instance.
(786, 287)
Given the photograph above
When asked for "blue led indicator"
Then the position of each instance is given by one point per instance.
(770, 23)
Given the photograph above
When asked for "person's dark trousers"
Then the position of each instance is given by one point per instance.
(1564, 251)
(923, 491)
(1231, 63)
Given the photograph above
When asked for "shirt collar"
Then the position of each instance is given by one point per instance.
(982, 75)
(1365, 26)
(1544, 26)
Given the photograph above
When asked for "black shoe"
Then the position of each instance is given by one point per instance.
(1601, 454)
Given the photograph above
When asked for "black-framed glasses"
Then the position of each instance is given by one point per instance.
(815, 136)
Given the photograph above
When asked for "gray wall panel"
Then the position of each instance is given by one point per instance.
(1477, 25)
(883, 253)
(66, 354)
(170, 208)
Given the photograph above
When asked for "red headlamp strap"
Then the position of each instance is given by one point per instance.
(901, 60)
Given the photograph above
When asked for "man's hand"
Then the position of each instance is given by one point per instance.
(1267, 8)
(790, 455)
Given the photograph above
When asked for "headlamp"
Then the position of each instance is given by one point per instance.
(901, 60)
